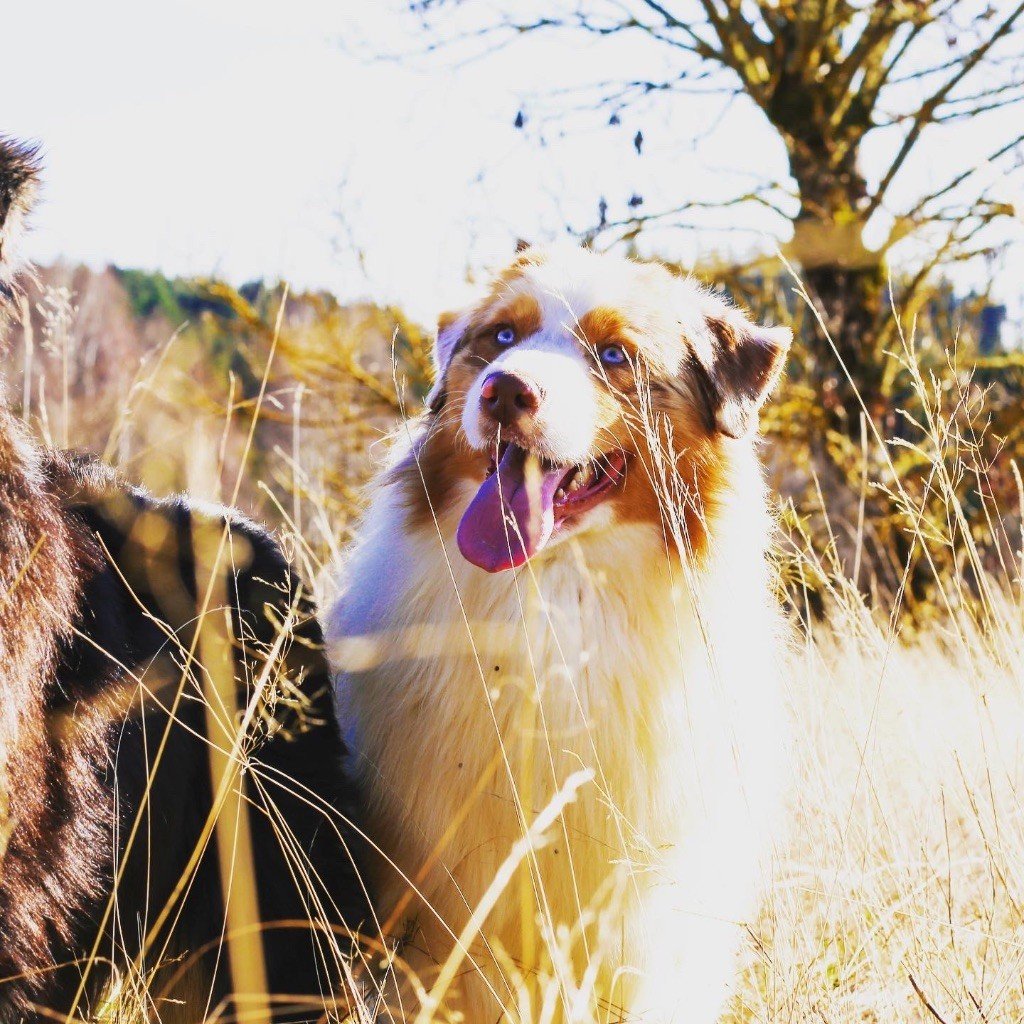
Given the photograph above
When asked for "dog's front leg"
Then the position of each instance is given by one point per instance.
(697, 912)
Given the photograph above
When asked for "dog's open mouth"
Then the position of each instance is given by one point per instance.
(525, 499)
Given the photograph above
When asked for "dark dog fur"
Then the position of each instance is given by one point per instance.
(104, 695)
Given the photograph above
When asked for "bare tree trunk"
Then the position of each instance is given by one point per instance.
(845, 278)
(851, 301)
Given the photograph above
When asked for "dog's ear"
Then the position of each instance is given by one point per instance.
(19, 183)
(741, 366)
(450, 329)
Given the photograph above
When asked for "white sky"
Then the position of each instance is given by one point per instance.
(227, 137)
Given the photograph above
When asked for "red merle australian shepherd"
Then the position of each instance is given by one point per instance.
(560, 589)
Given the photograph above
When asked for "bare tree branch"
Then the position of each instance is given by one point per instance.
(630, 227)
(926, 112)
(699, 45)
(910, 221)
(741, 50)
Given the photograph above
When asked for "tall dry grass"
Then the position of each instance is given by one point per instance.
(898, 894)
(898, 891)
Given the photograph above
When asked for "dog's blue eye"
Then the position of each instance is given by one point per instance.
(613, 355)
(505, 336)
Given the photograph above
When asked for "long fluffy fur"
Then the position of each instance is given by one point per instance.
(19, 184)
(100, 589)
(473, 698)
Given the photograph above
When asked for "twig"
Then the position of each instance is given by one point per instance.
(924, 999)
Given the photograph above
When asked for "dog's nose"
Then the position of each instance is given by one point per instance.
(508, 398)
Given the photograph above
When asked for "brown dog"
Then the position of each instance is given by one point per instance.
(135, 635)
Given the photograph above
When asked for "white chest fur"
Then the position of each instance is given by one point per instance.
(473, 698)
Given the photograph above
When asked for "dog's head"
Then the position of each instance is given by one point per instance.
(584, 390)
(19, 183)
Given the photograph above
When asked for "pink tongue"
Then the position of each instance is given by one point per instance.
(512, 515)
